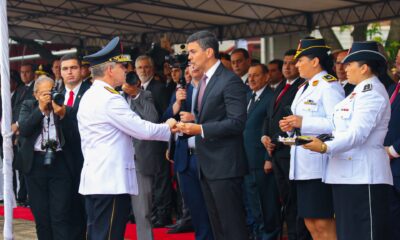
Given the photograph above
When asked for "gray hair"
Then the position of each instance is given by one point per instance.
(41, 80)
(144, 57)
(206, 40)
(98, 70)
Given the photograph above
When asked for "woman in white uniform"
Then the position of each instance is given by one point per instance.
(358, 167)
(312, 107)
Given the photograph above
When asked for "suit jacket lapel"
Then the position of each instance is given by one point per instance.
(277, 92)
(209, 87)
(257, 101)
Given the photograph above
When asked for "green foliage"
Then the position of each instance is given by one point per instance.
(391, 48)
(344, 28)
(373, 30)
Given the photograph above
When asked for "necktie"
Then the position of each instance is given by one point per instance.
(70, 101)
(252, 101)
(284, 90)
(305, 87)
(395, 93)
(201, 91)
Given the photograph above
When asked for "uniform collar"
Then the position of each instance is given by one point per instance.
(317, 77)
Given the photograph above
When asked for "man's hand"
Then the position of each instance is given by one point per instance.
(189, 128)
(44, 101)
(186, 117)
(267, 167)
(180, 95)
(269, 146)
(130, 90)
(288, 123)
(59, 110)
(172, 125)
(14, 128)
(388, 153)
(167, 157)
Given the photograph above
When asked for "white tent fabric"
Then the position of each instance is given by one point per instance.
(9, 198)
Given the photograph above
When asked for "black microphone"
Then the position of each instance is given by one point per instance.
(288, 111)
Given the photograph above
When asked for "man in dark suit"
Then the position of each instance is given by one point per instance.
(185, 159)
(240, 60)
(22, 93)
(73, 91)
(146, 162)
(275, 73)
(392, 145)
(42, 159)
(162, 183)
(341, 73)
(220, 107)
(278, 156)
(263, 197)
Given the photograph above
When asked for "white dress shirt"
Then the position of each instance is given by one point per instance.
(67, 92)
(48, 132)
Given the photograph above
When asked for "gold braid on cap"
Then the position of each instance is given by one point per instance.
(299, 51)
(121, 58)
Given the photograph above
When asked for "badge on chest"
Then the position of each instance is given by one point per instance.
(310, 105)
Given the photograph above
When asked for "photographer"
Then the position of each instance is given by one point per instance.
(42, 160)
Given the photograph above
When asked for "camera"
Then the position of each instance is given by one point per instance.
(57, 97)
(179, 60)
(50, 155)
(132, 78)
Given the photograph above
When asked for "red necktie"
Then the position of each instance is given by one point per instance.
(284, 90)
(201, 91)
(394, 94)
(70, 101)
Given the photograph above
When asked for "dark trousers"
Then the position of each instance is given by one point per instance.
(362, 211)
(78, 214)
(162, 190)
(107, 216)
(394, 213)
(194, 200)
(49, 196)
(225, 207)
(268, 202)
(21, 193)
(288, 193)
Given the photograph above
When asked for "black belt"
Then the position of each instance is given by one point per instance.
(42, 153)
(191, 151)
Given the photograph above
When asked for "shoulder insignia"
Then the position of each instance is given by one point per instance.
(111, 90)
(329, 78)
(367, 87)
(315, 83)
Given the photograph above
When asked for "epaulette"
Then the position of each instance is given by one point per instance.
(367, 87)
(329, 78)
(111, 90)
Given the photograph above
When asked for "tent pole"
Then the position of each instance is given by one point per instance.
(9, 198)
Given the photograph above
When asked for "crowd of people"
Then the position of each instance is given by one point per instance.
(307, 145)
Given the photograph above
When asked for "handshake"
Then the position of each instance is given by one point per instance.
(185, 126)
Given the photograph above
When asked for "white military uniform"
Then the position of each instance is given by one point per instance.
(315, 105)
(106, 124)
(356, 154)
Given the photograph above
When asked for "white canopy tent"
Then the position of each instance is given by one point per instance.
(92, 23)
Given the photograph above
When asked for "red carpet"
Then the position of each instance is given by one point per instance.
(159, 233)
